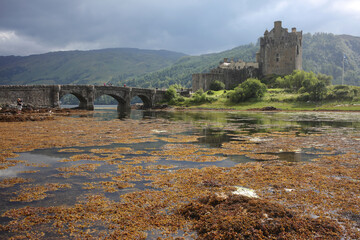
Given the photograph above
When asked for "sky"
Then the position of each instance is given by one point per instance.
(192, 27)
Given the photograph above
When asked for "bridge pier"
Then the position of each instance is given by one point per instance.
(56, 96)
(90, 98)
(124, 107)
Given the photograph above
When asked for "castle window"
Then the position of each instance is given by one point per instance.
(297, 49)
(277, 57)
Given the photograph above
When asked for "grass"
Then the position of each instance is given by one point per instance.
(278, 98)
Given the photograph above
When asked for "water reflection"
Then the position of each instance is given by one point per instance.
(256, 121)
(218, 127)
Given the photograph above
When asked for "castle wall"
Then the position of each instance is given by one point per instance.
(203, 80)
(230, 77)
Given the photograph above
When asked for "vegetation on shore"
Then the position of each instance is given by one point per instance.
(298, 91)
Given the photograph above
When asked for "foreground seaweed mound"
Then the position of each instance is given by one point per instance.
(32, 114)
(240, 217)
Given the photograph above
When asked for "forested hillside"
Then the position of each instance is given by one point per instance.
(83, 67)
(181, 72)
(322, 53)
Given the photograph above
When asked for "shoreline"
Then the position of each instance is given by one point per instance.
(262, 110)
(14, 115)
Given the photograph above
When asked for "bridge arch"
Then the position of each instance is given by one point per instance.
(147, 103)
(85, 94)
(82, 100)
(120, 94)
(122, 103)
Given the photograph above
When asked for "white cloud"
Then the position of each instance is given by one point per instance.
(13, 44)
(349, 7)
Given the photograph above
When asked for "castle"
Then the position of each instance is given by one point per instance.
(280, 54)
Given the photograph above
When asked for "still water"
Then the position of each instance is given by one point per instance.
(214, 129)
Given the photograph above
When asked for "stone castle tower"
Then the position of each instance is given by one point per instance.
(280, 51)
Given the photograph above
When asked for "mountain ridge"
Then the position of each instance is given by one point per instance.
(83, 67)
(322, 53)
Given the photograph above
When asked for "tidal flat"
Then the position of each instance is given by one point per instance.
(182, 175)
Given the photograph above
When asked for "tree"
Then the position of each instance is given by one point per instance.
(217, 85)
(171, 94)
(313, 88)
(318, 91)
(251, 88)
(324, 78)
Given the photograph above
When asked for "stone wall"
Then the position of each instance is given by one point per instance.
(230, 77)
(203, 80)
(40, 96)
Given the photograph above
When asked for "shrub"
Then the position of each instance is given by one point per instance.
(270, 80)
(342, 92)
(181, 99)
(318, 91)
(251, 88)
(217, 85)
(303, 81)
(303, 97)
(171, 94)
(200, 97)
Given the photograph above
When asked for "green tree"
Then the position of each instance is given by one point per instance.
(217, 85)
(251, 88)
(326, 79)
(318, 91)
(171, 94)
(313, 88)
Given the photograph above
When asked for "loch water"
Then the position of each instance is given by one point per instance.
(213, 128)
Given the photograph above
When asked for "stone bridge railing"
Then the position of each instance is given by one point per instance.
(43, 96)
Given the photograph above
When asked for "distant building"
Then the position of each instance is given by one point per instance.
(280, 53)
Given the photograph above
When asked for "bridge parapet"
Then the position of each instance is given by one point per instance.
(41, 96)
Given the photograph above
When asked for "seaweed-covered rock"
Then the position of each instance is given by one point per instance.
(240, 217)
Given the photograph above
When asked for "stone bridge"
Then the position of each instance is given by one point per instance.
(44, 96)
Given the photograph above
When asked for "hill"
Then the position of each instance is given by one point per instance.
(181, 72)
(322, 53)
(83, 67)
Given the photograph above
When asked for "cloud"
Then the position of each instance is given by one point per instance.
(189, 26)
(11, 43)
